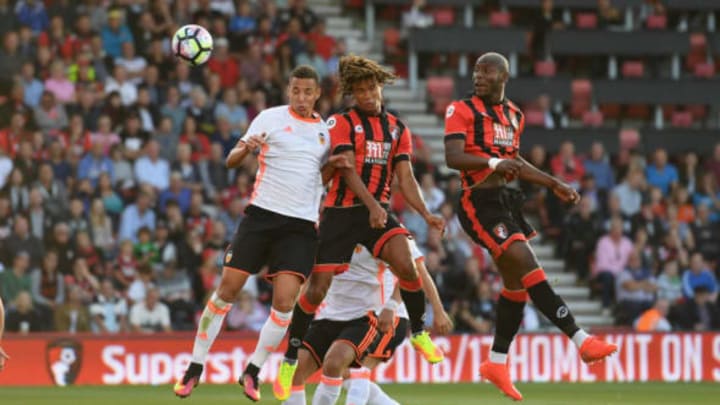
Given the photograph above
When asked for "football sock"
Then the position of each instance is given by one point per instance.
(379, 397)
(414, 298)
(328, 391)
(303, 314)
(209, 326)
(549, 303)
(271, 335)
(358, 386)
(297, 396)
(510, 308)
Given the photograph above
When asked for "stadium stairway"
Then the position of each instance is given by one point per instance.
(412, 107)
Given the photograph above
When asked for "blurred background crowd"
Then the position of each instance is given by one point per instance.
(116, 206)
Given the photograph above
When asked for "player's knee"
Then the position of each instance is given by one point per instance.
(227, 293)
(334, 365)
(283, 304)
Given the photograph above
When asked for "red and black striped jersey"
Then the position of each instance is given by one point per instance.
(379, 142)
(488, 131)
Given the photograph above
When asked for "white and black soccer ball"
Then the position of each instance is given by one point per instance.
(192, 44)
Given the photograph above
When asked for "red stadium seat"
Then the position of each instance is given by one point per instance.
(391, 38)
(656, 22)
(545, 68)
(610, 110)
(629, 138)
(578, 107)
(638, 112)
(444, 16)
(705, 70)
(440, 104)
(500, 19)
(581, 88)
(682, 119)
(592, 118)
(698, 41)
(633, 68)
(534, 118)
(586, 21)
(698, 111)
(441, 86)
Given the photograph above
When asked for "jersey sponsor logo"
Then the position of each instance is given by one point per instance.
(377, 152)
(63, 358)
(503, 136)
(500, 231)
(450, 111)
(331, 123)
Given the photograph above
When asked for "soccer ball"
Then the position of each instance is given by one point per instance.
(193, 44)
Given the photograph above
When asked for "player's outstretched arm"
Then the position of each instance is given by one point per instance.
(532, 174)
(441, 320)
(3, 355)
(378, 215)
(410, 189)
(242, 148)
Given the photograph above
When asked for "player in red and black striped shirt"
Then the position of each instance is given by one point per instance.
(356, 208)
(482, 139)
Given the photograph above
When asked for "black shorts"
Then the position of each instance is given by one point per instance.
(360, 333)
(341, 229)
(391, 340)
(284, 244)
(493, 217)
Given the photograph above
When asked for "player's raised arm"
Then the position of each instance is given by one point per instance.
(3, 355)
(244, 146)
(532, 174)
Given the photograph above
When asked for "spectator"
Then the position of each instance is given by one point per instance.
(713, 164)
(109, 310)
(636, 287)
(146, 111)
(120, 83)
(690, 172)
(11, 136)
(73, 316)
(134, 64)
(611, 257)
(150, 315)
(7, 17)
(707, 194)
(6, 167)
(655, 318)
(166, 248)
(121, 168)
(176, 292)
(706, 234)
(176, 192)
(248, 314)
(32, 86)
(670, 285)
(214, 172)
(151, 168)
(582, 230)
(297, 9)
(135, 216)
(698, 275)
(167, 139)
(40, 222)
(234, 113)
(32, 13)
(698, 313)
(115, 33)
(49, 115)
(648, 221)
(598, 165)
(187, 168)
(16, 278)
(17, 192)
(243, 23)
(630, 193)
(110, 199)
(662, 174)
(223, 64)
(566, 166)
(81, 277)
(126, 270)
(21, 240)
(94, 164)
(312, 58)
(23, 317)
(59, 85)
(324, 43)
(232, 217)
(478, 315)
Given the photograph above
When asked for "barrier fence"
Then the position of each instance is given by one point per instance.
(161, 359)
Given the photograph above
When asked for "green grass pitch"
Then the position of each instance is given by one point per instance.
(406, 394)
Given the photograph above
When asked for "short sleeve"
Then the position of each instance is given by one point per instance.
(340, 133)
(404, 148)
(457, 121)
(258, 125)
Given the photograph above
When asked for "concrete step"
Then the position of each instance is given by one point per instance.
(406, 107)
(421, 120)
(558, 279)
(327, 10)
(345, 33)
(358, 46)
(573, 292)
(339, 22)
(397, 93)
(553, 265)
(543, 251)
(585, 307)
(593, 320)
(312, 3)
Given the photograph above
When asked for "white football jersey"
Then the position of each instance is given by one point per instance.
(365, 286)
(288, 180)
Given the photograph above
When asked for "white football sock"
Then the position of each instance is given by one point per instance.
(579, 337)
(497, 357)
(358, 386)
(297, 396)
(328, 391)
(379, 397)
(271, 334)
(209, 327)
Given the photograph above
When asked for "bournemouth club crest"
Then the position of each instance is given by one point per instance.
(63, 358)
(500, 231)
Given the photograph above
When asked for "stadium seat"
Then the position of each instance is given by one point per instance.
(629, 138)
(638, 112)
(592, 118)
(500, 19)
(704, 70)
(391, 38)
(545, 68)
(656, 22)
(441, 86)
(440, 104)
(698, 41)
(581, 88)
(682, 119)
(444, 16)
(534, 118)
(586, 21)
(633, 68)
(698, 111)
(610, 111)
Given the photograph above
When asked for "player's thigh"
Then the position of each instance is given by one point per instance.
(286, 287)
(293, 249)
(516, 261)
(388, 343)
(339, 357)
(231, 282)
(306, 367)
(362, 335)
(250, 247)
(318, 285)
(340, 231)
(397, 253)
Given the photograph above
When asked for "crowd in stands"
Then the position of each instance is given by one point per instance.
(116, 206)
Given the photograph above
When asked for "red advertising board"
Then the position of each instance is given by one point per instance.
(51, 359)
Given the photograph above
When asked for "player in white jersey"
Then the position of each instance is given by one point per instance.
(279, 227)
(360, 323)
